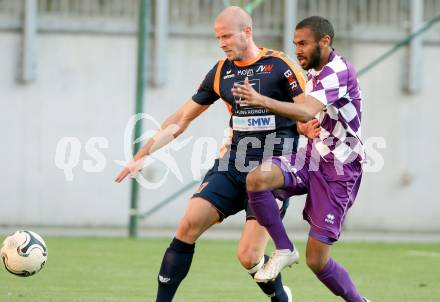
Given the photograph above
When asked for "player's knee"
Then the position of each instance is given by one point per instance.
(314, 261)
(257, 181)
(188, 230)
(248, 257)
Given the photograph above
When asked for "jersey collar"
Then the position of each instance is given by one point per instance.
(252, 61)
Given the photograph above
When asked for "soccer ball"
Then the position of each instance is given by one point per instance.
(24, 253)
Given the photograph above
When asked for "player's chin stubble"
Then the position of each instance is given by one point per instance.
(314, 60)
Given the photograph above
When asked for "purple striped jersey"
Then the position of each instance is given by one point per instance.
(337, 87)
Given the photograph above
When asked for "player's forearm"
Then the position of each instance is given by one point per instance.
(297, 111)
(159, 140)
(170, 129)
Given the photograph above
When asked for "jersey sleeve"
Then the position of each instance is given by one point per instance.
(206, 94)
(330, 85)
(294, 80)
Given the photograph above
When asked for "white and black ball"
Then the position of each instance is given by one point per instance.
(24, 253)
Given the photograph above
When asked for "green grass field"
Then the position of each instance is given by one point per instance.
(96, 269)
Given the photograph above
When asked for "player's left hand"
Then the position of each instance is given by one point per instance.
(133, 167)
(122, 175)
(246, 95)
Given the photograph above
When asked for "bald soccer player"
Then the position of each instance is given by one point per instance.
(256, 133)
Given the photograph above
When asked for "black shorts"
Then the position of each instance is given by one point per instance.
(226, 191)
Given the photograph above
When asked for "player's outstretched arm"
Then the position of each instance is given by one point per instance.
(171, 128)
(304, 109)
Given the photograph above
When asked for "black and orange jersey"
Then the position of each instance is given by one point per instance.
(257, 132)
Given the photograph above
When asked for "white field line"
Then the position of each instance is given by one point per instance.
(424, 254)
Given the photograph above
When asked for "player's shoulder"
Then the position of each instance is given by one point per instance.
(274, 53)
(219, 66)
(337, 70)
(281, 59)
(277, 55)
(337, 64)
(222, 65)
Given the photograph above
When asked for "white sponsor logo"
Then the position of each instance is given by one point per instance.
(229, 76)
(330, 218)
(253, 123)
(288, 73)
(264, 68)
(164, 279)
(291, 79)
(229, 71)
(293, 85)
(246, 72)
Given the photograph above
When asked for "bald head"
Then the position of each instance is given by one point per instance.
(236, 16)
(233, 30)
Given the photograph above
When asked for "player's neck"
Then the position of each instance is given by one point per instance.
(325, 54)
(251, 53)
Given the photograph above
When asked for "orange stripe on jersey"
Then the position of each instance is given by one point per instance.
(217, 84)
(285, 58)
(217, 77)
(252, 61)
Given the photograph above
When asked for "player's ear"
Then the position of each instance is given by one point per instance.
(248, 31)
(325, 41)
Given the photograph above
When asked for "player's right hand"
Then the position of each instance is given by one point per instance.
(133, 167)
(311, 129)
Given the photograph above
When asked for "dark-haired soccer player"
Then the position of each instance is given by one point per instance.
(329, 169)
(256, 133)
